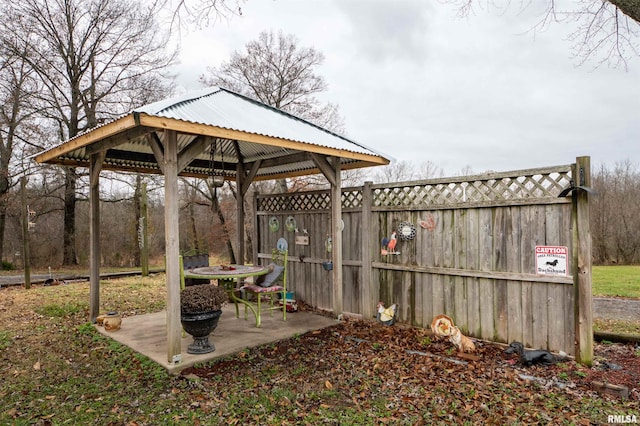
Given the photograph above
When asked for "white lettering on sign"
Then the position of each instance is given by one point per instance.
(629, 418)
(551, 260)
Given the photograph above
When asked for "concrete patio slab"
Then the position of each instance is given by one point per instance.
(147, 334)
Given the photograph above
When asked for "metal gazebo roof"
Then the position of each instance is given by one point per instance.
(247, 132)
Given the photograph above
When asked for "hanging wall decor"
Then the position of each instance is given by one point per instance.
(406, 231)
(282, 244)
(290, 224)
(274, 224)
(429, 223)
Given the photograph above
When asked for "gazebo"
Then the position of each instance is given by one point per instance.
(184, 136)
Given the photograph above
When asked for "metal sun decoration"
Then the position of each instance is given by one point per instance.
(216, 180)
(406, 231)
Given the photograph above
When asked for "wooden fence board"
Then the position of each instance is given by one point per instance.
(555, 319)
(500, 312)
(487, 315)
(473, 306)
(514, 311)
(527, 313)
(438, 295)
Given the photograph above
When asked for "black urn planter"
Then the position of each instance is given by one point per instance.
(200, 325)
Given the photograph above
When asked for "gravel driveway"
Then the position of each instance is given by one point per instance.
(613, 308)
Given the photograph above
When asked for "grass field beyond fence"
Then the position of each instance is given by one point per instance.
(616, 281)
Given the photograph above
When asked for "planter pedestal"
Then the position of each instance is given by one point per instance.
(200, 325)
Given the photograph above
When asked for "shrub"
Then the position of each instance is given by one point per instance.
(202, 298)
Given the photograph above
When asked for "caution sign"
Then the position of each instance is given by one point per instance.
(551, 260)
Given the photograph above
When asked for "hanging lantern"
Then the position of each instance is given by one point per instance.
(216, 180)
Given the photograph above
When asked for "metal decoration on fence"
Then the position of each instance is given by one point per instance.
(429, 223)
(290, 224)
(406, 231)
(282, 244)
(274, 224)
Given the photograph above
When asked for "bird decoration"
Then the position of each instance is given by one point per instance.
(389, 244)
(392, 243)
(385, 244)
(387, 316)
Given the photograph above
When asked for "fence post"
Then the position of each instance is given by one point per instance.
(366, 303)
(581, 256)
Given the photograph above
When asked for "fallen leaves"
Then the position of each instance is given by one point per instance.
(398, 374)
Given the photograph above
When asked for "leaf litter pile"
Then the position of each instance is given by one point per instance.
(402, 375)
(57, 369)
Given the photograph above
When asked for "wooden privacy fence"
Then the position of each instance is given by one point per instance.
(466, 249)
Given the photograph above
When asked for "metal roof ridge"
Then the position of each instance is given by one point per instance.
(159, 106)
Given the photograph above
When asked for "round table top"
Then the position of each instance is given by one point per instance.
(227, 271)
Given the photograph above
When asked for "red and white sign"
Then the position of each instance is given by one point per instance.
(551, 260)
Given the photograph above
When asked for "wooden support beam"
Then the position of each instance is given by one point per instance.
(250, 176)
(172, 248)
(336, 236)
(157, 148)
(581, 256)
(327, 169)
(191, 151)
(115, 140)
(95, 166)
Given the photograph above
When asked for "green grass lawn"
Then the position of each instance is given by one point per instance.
(616, 281)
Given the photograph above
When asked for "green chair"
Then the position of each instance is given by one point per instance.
(271, 285)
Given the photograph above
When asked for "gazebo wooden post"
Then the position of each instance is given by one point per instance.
(240, 213)
(172, 246)
(330, 168)
(336, 231)
(95, 166)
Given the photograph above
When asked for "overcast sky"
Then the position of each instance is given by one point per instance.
(419, 84)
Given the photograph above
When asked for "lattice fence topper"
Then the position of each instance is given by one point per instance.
(481, 190)
(539, 183)
(296, 202)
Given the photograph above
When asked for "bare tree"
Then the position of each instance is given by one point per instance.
(614, 215)
(607, 30)
(399, 171)
(17, 90)
(93, 58)
(276, 71)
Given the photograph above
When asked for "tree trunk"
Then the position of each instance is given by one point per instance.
(69, 238)
(215, 205)
(3, 223)
(631, 8)
(281, 186)
(195, 241)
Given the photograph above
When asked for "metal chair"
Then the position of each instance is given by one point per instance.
(270, 285)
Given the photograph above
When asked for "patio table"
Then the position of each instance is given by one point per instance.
(227, 276)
